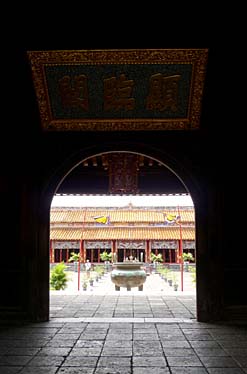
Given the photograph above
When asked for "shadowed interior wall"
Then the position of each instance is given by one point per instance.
(33, 166)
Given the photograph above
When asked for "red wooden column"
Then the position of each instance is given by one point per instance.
(82, 251)
(81, 259)
(176, 256)
(51, 252)
(114, 251)
(148, 251)
(82, 242)
(181, 251)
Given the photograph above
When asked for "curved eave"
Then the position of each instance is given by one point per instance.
(120, 233)
(116, 216)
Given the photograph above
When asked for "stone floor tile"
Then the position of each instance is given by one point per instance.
(89, 343)
(113, 370)
(75, 370)
(148, 337)
(168, 328)
(14, 360)
(171, 337)
(19, 351)
(175, 344)
(94, 325)
(38, 370)
(92, 336)
(144, 326)
(223, 362)
(188, 370)
(151, 370)
(146, 351)
(118, 343)
(242, 360)
(77, 328)
(225, 371)
(204, 344)
(61, 343)
(114, 362)
(67, 336)
(54, 351)
(179, 352)
(236, 351)
(46, 361)
(116, 336)
(147, 361)
(211, 352)
(232, 343)
(113, 351)
(183, 361)
(86, 351)
(24, 343)
(10, 369)
(80, 361)
(195, 336)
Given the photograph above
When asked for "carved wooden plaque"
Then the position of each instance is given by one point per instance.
(119, 90)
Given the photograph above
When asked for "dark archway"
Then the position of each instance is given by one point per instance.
(206, 309)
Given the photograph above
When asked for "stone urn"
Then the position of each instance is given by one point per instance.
(128, 274)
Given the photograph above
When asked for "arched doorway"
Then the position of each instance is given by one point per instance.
(209, 292)
(144, 174)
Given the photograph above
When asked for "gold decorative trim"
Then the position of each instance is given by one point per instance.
(196, 57)
(118, 125)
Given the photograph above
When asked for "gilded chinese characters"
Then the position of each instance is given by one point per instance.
(104, 90)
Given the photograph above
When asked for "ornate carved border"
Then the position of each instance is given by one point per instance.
(196, 57)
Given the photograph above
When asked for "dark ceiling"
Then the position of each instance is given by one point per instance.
(93, 176)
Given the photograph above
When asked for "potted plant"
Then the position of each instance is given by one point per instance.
(91, 281)
(59, 278)
(187, 257)
(156, 258)
(99, 269)
(75, 257)
(165, 273)
(170, 281)
(106, 257)
(84, 285)
(175, 281)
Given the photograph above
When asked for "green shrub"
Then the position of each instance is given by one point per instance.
(59, 278)
(187, 257)
(75, 257)
(104, 256)
(156, 258)
(99, 269)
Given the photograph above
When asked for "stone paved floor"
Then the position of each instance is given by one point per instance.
(101, 331)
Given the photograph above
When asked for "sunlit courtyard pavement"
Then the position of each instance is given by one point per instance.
(154, 284)
(157, 300)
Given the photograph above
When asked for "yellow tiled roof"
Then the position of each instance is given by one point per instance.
(117, 216)
(123, 233)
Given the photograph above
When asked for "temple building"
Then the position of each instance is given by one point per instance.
(126, 231)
